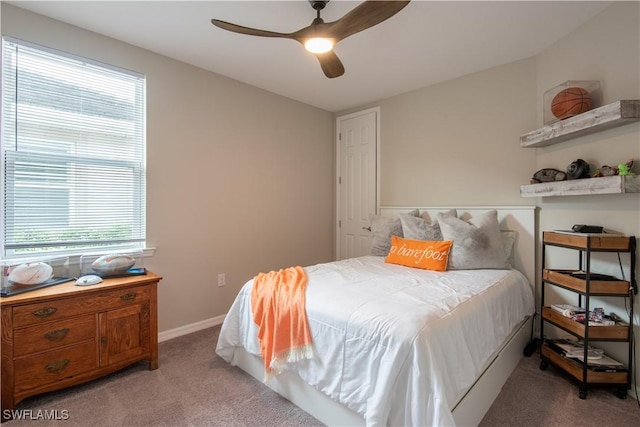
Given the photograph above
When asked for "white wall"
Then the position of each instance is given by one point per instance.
(239, 180)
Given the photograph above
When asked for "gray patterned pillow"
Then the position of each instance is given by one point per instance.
(382, 229)
(477, 242)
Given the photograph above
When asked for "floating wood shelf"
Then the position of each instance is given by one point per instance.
(576, 187)
(608, 116)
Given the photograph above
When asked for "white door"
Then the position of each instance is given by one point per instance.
(357, 192)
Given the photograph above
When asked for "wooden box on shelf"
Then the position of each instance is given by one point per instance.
(600, 241)
(565, 279)
(613, 332)
(575, 369)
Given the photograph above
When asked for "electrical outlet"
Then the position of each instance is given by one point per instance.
(221, 279)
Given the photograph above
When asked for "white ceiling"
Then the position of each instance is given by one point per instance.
(425, 43)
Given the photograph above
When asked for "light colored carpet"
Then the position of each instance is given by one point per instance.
(191, 387)
(532, 397)
(194, 387)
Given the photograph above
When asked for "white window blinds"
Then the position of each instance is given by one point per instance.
(73, 153)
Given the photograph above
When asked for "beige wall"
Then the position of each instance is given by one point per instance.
(239, 180)
(607, 49)
(457, 142)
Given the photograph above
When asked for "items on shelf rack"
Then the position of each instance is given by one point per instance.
(597, 317)
(597, 360)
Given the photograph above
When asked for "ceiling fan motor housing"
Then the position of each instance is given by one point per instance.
(318, 4)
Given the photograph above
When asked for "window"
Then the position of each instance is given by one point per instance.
(73, 154)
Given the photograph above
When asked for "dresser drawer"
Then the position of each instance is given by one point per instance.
(52, 335)
(52, 366)
(33, 314)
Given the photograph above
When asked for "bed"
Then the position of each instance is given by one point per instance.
(396, 345)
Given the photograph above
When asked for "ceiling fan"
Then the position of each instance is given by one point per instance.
(320, 37)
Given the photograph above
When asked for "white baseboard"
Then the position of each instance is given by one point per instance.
(187, 329)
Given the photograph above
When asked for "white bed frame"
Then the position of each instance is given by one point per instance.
(470, 410)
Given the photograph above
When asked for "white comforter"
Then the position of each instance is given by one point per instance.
(397, 345)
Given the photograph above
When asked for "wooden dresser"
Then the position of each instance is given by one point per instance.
(64, 335)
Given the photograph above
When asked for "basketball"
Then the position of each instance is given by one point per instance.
(570, 102)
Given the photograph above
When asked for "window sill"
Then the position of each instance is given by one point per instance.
(74, 259)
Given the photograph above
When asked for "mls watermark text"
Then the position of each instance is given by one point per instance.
(36, 414)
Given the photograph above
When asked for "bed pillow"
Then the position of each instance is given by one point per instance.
(428, 255)
(382, 228)
(416, 228)
(419, 228)
(477, 242)
(508, 242)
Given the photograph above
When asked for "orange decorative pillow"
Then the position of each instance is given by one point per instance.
(425, 254)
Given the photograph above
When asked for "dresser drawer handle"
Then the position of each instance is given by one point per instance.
(57, 335)
(128, 297)
(55, 367)
(45, 312)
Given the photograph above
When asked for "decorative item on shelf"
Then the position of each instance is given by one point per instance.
(108, 265)
(567, 310)
(569, 99)
(113, 264)
(31, 273)
(19, 276)
(606, 170)
(623, 169)
(548, 175)
(578, 169)
(571, 102)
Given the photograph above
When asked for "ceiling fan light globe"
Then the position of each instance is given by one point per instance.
(318, 45)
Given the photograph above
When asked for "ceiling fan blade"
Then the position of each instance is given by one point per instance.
(366, 15)
(331, 64)
(246, 30)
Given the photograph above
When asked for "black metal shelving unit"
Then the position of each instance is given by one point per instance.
(586, 285)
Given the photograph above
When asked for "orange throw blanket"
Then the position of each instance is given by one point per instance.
(278, 304)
